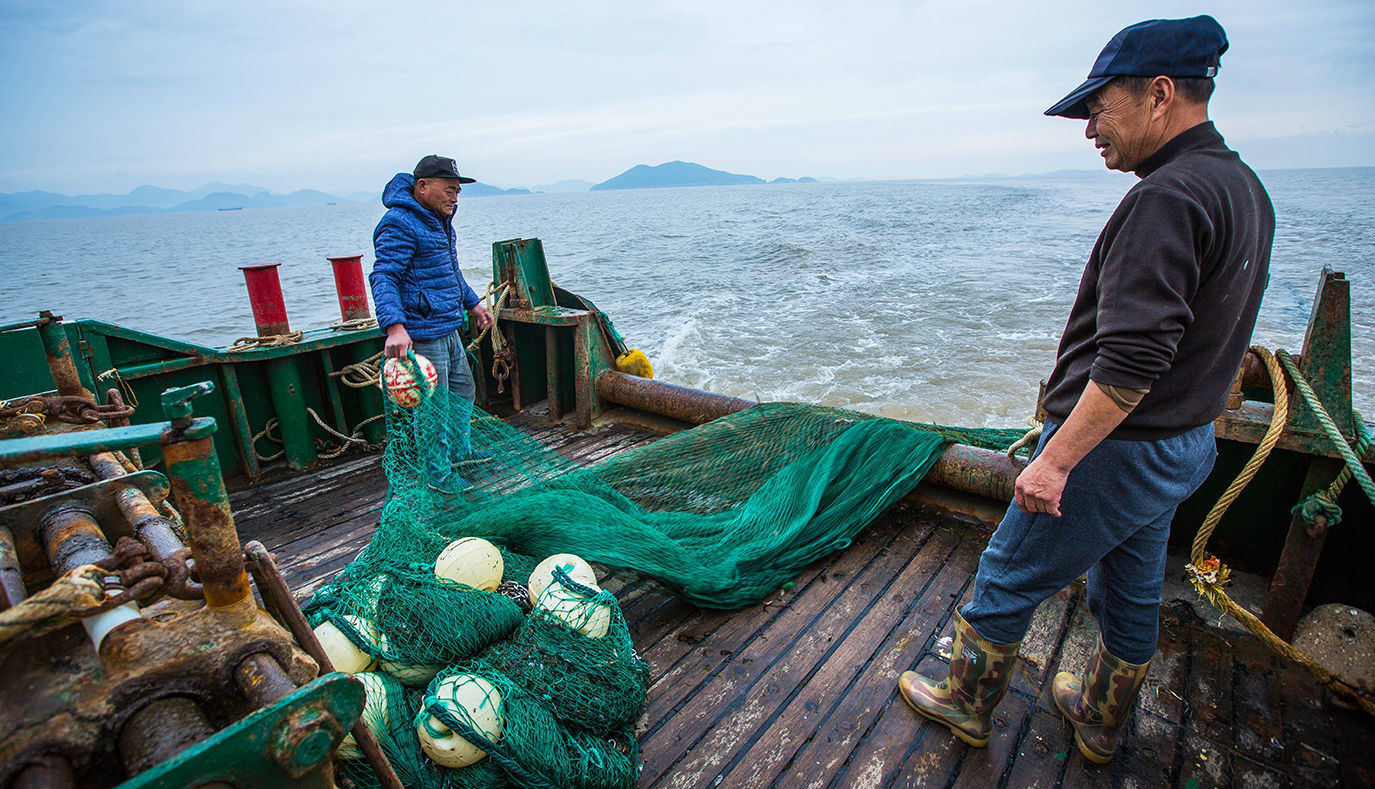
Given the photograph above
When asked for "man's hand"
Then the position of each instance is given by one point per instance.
(398, 341)
(481, 315)
(1039, 487)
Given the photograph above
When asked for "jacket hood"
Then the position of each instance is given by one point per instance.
(397, 194)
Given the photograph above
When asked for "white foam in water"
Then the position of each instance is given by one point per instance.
(933, 301)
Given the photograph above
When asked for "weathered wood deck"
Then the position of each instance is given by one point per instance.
(800, 691)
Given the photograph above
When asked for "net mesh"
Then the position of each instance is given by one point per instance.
(723, 514)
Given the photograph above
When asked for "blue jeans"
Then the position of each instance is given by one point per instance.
(450, 361)
(1115, 521)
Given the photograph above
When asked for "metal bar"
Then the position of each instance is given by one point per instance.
(157, 368)
(72, 538)
(160, 730)
(288, 400)
(985, 472)
(336, 404)
(59, 353)
(273, 587)
(145, 521)
(370, 397)
(12, 590)
(86, 442)
(679, 402)
(261, 680)
(49, 771)
(198, 488)
(553, 374)
(1299, 559)
(238, 418)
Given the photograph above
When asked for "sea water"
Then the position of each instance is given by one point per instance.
(929, 300)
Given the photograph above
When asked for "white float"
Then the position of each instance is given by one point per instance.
(342, 653)
(587, 616)
(471, 699)
(543, 574)
(375, 714)
(471, 561)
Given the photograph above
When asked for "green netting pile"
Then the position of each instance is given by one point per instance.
(723, 514)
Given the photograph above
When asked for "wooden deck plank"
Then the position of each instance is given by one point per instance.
(843, 646)
(800, 692)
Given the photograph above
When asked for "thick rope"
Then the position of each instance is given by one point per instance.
(361, 375)
(75, 592)
(1209, 575)
(354, 324)
(267, 341)
(501, 290)
(1353, 463)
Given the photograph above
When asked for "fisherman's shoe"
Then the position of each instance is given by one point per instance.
(963, 702)
(1097, 705)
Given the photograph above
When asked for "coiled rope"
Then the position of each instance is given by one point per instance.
(1209, 575)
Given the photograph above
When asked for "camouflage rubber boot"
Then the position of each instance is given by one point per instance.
(963, 702)
(1097, 705)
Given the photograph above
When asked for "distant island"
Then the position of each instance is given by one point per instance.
(642, 176)
(38, 205)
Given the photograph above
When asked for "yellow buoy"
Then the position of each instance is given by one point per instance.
(471, 561)
(589, 617)
(634, 362)
(342, 652)
(577, 569)
(474, 701)
(375, 714)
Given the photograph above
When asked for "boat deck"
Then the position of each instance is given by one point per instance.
(800, 690)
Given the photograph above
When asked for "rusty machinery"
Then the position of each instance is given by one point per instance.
(163, 670)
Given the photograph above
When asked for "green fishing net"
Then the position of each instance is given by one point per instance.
(723, 515)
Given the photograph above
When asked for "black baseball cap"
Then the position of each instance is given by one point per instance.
(434, 166)
(1170, 47)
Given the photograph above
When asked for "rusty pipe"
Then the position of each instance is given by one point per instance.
(261, 680)
(72, 538)
(683, 403)
(12, 590)
(199, 492)
(160, 730)
(58, 351)
(147, 523)
(49, 771)
(983, 472)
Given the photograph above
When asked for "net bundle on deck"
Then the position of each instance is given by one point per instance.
(723, 514)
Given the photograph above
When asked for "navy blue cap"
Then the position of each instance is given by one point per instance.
(435, 166)
(1170, 47)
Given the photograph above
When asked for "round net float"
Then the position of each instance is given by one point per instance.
(587, 616)
(471, 561)
(343, 654)
(375, 713)
(472, 700)
(577, 569)
(400, 383)
(409, 675)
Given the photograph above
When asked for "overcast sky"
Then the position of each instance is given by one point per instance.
(339, 95)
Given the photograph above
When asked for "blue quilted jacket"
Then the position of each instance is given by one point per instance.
(415, 279)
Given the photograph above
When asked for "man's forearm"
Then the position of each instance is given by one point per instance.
(1094, 417)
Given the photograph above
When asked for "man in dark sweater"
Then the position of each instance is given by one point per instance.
(1156, 335)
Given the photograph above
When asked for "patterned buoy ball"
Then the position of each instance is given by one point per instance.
(577, 569)
(400, 384)
(471, 561)
(470, 699)
(343, 654)
(375, 714)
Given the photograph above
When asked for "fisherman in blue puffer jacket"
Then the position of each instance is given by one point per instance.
(420, 294)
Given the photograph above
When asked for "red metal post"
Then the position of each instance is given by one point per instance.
(265, 295)
(352, 288)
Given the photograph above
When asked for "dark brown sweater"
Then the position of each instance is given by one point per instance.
(1170, 293)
